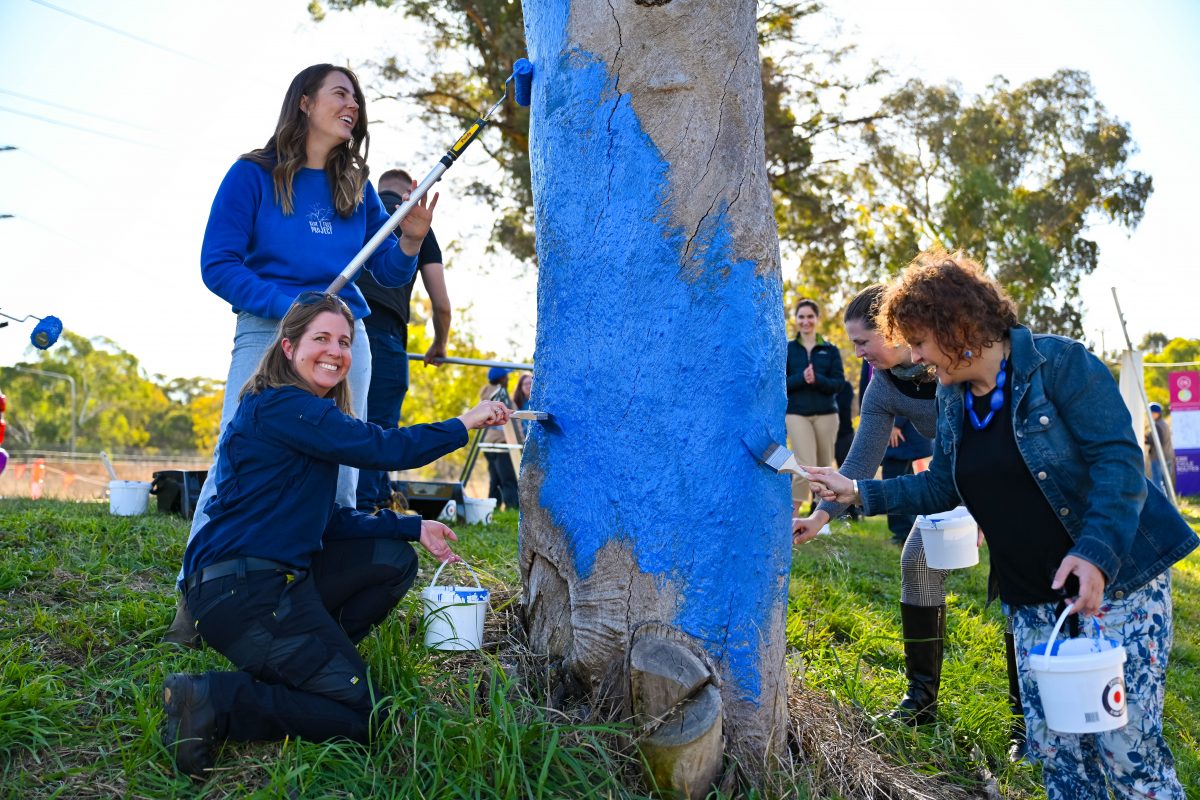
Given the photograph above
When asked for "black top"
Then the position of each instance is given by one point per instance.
(1026, 540)
(389, 305)
(818, 397)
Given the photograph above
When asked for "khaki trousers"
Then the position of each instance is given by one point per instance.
(811, 440)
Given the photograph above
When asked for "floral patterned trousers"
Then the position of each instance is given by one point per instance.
(1133, 761)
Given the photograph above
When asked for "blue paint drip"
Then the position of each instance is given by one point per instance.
(652, 373)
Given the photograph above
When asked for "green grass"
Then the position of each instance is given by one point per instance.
(85, 598)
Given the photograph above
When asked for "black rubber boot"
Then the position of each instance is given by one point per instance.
(183, 629)
(190, 730)
(1019, 751)
(924, 635)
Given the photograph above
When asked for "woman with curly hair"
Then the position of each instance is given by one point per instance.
(1034, 437)
(901, 390)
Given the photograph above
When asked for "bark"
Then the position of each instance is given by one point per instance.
(660, 342)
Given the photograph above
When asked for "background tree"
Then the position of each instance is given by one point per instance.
(1015, 177)
(804, 89)
(118, 406)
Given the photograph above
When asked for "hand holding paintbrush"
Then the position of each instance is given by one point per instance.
(829, 484)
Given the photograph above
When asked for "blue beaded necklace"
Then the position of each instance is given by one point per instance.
(996, 402)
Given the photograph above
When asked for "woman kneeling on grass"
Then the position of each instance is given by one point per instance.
(1034, 436)
(283, 582)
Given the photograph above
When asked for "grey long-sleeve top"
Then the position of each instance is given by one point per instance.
(881, 403)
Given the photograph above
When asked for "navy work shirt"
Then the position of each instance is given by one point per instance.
(280, 455)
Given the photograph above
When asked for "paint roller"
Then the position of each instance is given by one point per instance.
(45, 333)
(522, 81)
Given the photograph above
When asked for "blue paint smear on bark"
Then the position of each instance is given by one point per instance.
(653, 364)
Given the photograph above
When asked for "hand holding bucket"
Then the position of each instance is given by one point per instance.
(1081, 681)
(454, 615)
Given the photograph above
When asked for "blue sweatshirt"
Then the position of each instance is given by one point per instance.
(279, 466)
(259, 260)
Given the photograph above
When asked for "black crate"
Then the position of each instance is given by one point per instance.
(429, 498)
(177, 490)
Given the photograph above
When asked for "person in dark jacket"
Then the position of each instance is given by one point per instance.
(282, 581)
(387, 332)
(814, 377)
(1033, 435)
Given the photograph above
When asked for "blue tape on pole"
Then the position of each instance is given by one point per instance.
(522, 81)
(46, 332)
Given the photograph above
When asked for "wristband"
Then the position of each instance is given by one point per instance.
(857, 496)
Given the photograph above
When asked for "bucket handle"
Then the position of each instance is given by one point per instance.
(1058, 627)
(443, 566)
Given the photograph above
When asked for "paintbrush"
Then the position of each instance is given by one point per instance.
(532, 416)
(759, 442)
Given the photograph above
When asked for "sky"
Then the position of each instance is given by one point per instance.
(125, 124)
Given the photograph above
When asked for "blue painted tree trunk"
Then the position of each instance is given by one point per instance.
(660, 342)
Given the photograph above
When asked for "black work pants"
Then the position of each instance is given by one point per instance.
(503, 480)
(293, 641)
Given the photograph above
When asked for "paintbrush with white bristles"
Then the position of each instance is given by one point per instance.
(760, 443)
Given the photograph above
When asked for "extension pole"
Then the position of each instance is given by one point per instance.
(474, 362)
(1162, 456)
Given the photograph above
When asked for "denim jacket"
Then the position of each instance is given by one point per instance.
(1076, 437)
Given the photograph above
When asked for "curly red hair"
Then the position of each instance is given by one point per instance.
(949, 296)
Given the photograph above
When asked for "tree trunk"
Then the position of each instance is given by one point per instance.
(660, 342)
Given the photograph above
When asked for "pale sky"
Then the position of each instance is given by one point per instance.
(108, 221)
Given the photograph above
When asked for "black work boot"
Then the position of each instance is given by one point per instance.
(183, 629)
(924, 635)
(190, 730)
(1019, 750)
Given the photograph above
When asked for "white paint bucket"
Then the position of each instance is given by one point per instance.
(950, 540)
(128, 498)
(1081, 681)
(454, 615)
(479, 510)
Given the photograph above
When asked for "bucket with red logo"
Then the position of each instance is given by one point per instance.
(1081, 681)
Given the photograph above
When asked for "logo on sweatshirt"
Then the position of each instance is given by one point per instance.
(320, 220)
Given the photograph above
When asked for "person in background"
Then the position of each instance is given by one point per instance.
(387, 333)
(1164, 436)
(283, 581)
(502, 477)
(814, 377)
(286, 219)
(1035, 439)
(521, 399)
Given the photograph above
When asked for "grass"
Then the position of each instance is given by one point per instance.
(85, 598)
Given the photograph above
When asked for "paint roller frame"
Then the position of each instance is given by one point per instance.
(522, 80)
(44, 334)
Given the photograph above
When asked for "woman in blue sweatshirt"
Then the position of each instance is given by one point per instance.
(284, 582)
(286, 219)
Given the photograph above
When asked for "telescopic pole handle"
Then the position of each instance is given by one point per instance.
(347, 274)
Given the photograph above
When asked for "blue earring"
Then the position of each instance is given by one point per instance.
(967, 354)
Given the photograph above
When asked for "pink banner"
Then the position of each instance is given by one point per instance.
(1185, 391)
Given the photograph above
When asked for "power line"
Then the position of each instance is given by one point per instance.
(93, 131)
(72, 109)
(118, 31)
